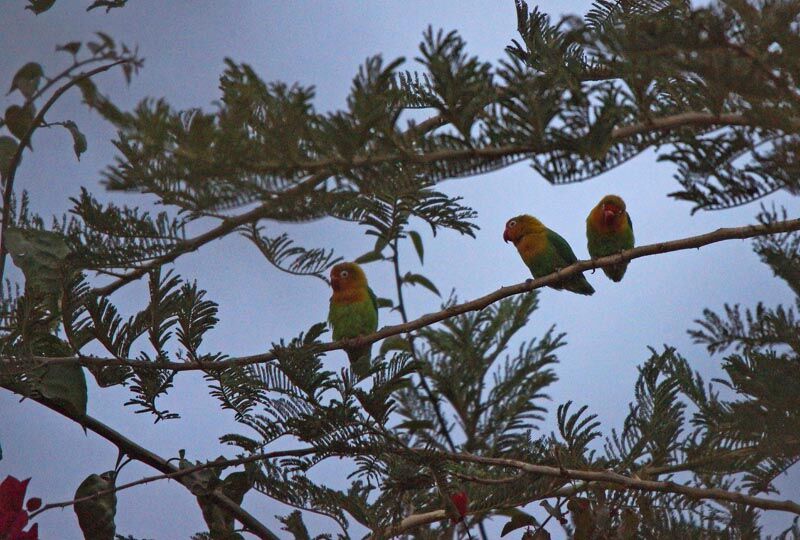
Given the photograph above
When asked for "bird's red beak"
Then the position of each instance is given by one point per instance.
(506, 237)
(336, 283)
(609, 214)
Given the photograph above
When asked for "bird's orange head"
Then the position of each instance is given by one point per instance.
(612, 210)
(347, 276)
(519, 226)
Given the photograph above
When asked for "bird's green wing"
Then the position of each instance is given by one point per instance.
(561, 247)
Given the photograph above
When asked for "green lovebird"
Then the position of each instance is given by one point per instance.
(353, 312)
(544, 251)
(609, 230)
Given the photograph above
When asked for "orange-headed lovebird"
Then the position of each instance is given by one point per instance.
(353, 312)
(544, 251)
(609, 230)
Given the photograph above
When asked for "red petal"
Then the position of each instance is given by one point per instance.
(12, 493)
(33, 504)
(461, 501)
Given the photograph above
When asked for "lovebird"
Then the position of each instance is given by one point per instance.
(609, 230)
(353, 312)
(544, 251)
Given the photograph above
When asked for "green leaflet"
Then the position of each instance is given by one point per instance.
(41, 255)
(19, 120)
(66, 386)
(96, 516)
(27, 79)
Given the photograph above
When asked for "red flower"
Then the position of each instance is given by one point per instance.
(12, 517)
(461, 502)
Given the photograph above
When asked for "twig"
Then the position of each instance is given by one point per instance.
(691, 242)
(8, 188)
(423, 382)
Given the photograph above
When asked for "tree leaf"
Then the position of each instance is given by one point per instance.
(395, 343)
(39, 6)
(78, 139)
(518, 519)
(26, 80)
(415, 425)
(19, 120)
(108, 4)
(368, 257)
(41, 255)
(65, 385)
(8, 147)
(73, 47)
(96, 516)
(384, 302)
(419, 279)
(416, 239)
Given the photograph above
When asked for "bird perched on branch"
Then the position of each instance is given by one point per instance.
(609, 230)
(353, 312)
(544, 251)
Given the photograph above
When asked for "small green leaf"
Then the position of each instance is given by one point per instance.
(108, 4)
(72, 47)
(419, 279)
(395, 343)
(415, 425)
(519, 519)
(8, 147)
(417, 241)
(19, 120)
(96, 516)
(65, 385)
(384, 303)
(368, 257)
(41, 255)
(27, 79)
(39, 6)
(78, 138)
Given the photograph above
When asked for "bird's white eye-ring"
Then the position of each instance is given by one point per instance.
(511, 223)
(344, 273)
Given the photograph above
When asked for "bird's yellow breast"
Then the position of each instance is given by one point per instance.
(532, 244)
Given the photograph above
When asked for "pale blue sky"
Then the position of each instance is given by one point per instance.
(323, 43)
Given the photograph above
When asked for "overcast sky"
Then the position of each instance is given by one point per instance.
(322, 43)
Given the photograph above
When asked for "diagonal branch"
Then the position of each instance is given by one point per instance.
(186, 471)
(691, 242)
(139, 453)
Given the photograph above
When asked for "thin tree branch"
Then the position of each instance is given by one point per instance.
(139, 453)
(691, 242)
(13, 165)
(423, 382)
(220, 463)
(619, 482)
(608, 479)
(321, 171)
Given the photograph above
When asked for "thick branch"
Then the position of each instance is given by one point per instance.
(691, 242)
(139, 453)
